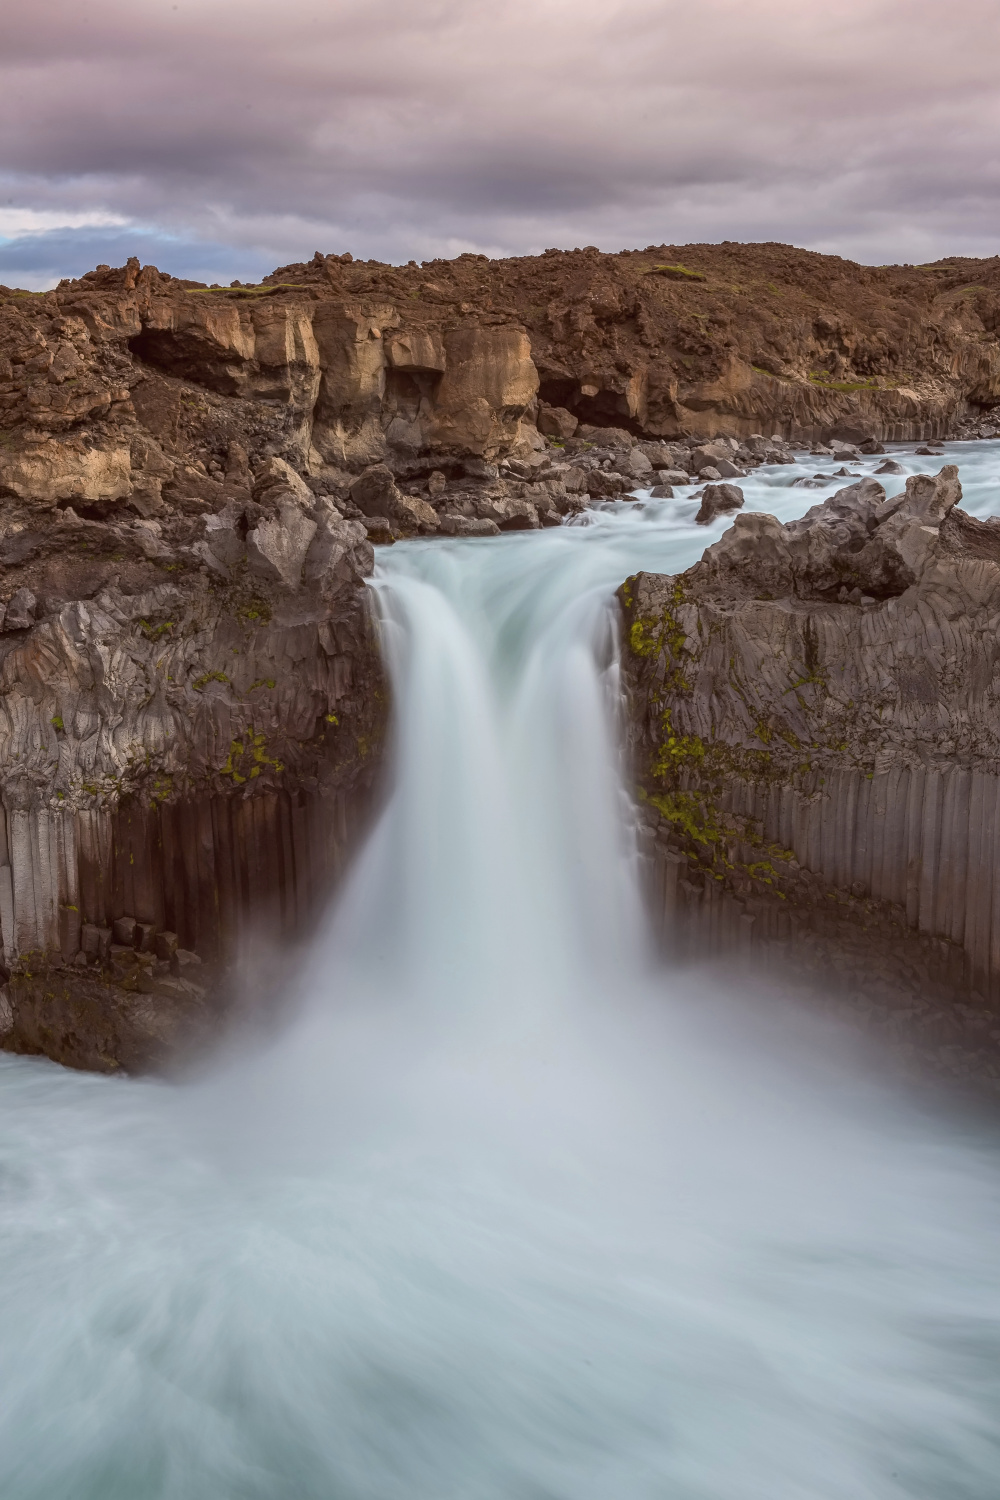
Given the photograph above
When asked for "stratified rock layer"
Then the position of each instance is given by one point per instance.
(815, 721)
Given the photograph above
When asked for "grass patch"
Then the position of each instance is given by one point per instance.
(676, 273)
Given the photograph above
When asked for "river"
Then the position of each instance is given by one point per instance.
(506, 1210)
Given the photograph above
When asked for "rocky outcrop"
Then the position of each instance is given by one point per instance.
(814, 714)
(191, 711)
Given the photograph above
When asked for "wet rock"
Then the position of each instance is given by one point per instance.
(662, 492)
(890, 466)
(165, 945)
(710, 472)
(716, 500)
(123, 929)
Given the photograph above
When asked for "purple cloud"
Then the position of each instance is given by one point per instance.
(399, 130)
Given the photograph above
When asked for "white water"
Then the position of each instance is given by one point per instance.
(504, 1213)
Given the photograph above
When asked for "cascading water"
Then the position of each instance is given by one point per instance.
(503, 1212)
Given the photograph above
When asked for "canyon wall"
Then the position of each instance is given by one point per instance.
(814, 714)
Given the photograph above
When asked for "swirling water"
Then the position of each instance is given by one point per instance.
(505, 1210)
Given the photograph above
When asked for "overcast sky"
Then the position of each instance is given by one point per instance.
(220, 138)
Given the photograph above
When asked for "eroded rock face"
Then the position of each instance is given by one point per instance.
(191, 714)
(815, 717)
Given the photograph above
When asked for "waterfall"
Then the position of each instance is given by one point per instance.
(502, 1209)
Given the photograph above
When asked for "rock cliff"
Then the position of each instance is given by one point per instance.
(814, 724)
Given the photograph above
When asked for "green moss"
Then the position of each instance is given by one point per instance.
(267, 682)
(57, 723)
(675, 751)
(161, 789)
(676, 272)
(153, 632)
(247, 758)
(818, 379)
(254, 611)
(641, 643)
(206, 678)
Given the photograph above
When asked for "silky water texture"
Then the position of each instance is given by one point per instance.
(503, 1208)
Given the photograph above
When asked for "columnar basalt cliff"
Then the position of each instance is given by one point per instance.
(814, 721)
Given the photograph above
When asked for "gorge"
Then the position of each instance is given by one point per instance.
(193, 479)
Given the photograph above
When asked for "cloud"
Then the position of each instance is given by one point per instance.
(221, 128)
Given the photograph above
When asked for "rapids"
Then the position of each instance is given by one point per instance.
(505, 1209)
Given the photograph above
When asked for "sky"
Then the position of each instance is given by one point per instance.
(218, 139)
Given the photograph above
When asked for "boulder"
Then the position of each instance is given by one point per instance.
(376, 493)
(890, 466)
(455, 525)
(605, 437)
(709, 472)
(637, 464)
(717, 500)
(556, 421)
(709, 455)
(662, 492)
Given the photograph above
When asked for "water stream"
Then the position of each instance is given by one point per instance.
(506, 1212)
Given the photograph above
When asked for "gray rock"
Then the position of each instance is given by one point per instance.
(376, 493)
(890, 466)
(662, 492)
(165, 945)
(455, 525)
(718, 499)
(21, 610)
(637, 464)
(123, 929)
(710, 472)
(277, 547)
